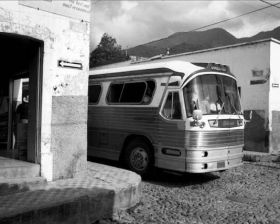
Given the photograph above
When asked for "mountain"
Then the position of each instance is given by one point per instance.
(263, 35)
(196, 40)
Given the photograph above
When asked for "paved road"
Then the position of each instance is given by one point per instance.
(247, 194)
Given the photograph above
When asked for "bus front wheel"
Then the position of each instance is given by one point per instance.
(139, 157)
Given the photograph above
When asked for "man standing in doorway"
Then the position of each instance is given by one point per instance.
(22, 127)
(22, 110)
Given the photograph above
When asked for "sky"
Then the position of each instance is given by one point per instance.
(133, 22)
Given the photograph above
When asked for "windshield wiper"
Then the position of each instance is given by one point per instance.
(235, 110)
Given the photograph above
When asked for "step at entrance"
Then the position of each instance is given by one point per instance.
(18, 185)
(12, 169)
(18, 176)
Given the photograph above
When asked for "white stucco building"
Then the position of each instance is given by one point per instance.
(47, 43)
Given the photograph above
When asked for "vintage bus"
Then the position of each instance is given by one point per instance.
(174, 115)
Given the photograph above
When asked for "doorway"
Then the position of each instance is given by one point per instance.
(20, 96)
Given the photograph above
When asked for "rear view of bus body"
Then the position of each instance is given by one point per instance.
(174, 115)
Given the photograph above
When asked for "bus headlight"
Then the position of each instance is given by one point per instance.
(204, 154)
(202, 124)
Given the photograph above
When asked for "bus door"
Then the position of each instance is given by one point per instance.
(171, 133)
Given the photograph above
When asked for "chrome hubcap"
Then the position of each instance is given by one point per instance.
(139, 159)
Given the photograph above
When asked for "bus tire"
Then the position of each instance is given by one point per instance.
(138, 157)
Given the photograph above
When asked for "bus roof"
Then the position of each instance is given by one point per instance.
(145, 68)
(176, 68)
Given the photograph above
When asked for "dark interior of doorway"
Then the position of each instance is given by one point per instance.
(19, 80)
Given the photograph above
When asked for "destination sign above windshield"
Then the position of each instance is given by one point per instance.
(218, 67)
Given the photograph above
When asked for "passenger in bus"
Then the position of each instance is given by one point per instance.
(205, 105)
(194, 101)
(148, 96)
(215, 107)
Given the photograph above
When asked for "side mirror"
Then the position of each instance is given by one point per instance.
(248, 116)
(197, 115)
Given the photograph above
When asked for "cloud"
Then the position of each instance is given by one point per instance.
(138, 22)
(251, 24)
(126, 5)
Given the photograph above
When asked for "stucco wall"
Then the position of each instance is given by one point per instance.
(274, 97)
(67, 39)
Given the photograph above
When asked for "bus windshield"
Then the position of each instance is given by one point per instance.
(212, 94)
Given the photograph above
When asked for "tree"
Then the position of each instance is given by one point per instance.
(107, 52)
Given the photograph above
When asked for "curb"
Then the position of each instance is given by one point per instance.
(98, 194)
(84, 209)
(19, 185)
(260, 157)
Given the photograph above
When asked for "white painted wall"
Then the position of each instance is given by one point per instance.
(274, 97)
(274, 94)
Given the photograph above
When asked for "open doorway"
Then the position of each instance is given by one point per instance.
(20, 96)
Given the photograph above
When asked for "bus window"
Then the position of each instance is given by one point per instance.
(139, 92)
(133, 92)
(94, 92)
(115, 92)
(172, 107)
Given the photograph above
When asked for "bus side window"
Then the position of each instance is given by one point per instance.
(94, 92)
(172, 107)
(114, 93)
(133, 92)
(137, 92)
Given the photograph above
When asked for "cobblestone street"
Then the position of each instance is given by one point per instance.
(247, 194)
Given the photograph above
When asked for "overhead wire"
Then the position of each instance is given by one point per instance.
(235, 17)
(268, 3)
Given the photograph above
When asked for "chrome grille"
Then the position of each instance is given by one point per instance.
(214, 138)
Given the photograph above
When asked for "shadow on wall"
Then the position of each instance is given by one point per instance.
(256, 136)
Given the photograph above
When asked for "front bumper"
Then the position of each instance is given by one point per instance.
(201, 160)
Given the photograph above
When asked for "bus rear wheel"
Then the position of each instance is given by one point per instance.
(139, 157)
